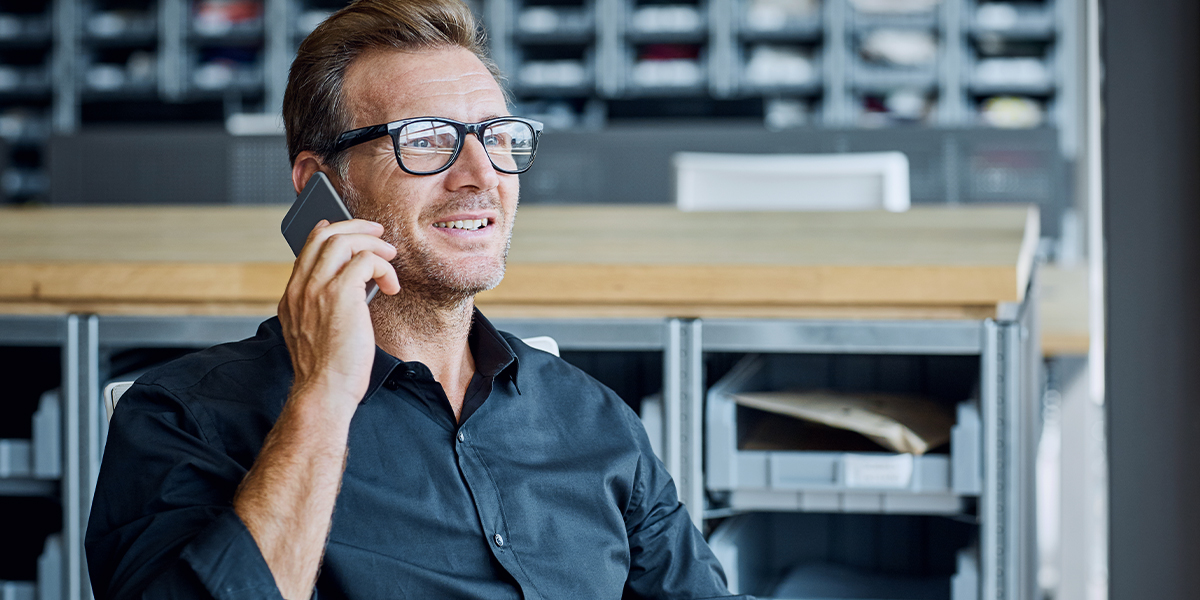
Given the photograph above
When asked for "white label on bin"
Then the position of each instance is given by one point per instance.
(876, 472)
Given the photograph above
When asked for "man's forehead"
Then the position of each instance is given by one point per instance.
(386, 85)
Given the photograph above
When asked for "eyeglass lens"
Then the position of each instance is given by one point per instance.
(428, 145)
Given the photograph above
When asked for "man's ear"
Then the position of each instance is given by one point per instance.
(305, 166)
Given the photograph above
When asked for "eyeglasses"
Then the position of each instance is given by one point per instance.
(429, 145)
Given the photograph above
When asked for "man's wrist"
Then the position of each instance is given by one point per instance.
(322, 406)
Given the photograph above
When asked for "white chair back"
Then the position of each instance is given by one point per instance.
(791, 182)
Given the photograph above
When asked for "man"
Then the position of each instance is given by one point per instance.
(405, 448)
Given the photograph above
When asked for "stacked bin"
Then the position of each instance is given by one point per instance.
(847, 521)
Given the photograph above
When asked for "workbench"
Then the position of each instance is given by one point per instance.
(930, 281)
(564, 261)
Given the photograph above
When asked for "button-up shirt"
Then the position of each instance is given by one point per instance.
(545, 488)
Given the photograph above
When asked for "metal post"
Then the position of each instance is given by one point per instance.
(277, 32)
(722, 53)
(73, 568)
(89, 423)
(992, 513)
(683, 413)
(672, 398)
(64, 57)
(610, 50)
(837, 107)
(172, 60)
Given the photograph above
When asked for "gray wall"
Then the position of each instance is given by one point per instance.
(1152, 215)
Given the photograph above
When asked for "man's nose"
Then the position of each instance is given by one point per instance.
(473, 167)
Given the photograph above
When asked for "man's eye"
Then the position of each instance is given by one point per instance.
(420, 143)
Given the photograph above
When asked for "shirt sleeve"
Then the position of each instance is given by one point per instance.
(668, 557)
(162, 523)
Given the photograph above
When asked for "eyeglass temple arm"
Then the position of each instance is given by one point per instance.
(358, 136)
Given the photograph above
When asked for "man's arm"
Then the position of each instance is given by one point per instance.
(287, 498)
(668, 557)
(162, 524)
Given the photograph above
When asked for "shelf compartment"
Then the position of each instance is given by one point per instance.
(668, 70)
(1018, 21)
(41, 456)
(24, 30)
(784, 556)
(24, 81)
(121, 28)
(555, 71)
(866, 76)
(555, 25)
(831, 481)
(766, 21)
(667, 23)
(863, 20)
(776, 62)
(226, 21)
(1031, 76)
(49, 585)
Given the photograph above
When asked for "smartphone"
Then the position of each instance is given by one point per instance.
(318, 201)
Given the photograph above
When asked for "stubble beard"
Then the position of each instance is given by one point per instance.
(434, 293)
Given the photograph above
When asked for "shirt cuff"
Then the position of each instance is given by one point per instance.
(227, 560)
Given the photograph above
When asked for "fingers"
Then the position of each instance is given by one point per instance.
(365, 266)
(324, 231)
(340, 257)
(339, 249)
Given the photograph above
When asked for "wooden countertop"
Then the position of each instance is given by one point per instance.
(1064, 310)
(930, 262)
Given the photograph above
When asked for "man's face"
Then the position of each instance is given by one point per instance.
(433, 259)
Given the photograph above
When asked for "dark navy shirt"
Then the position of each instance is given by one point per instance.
(547, 488)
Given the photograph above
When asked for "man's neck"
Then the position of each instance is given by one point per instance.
(435, 334)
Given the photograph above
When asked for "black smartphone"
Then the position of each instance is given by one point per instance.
(318, 201)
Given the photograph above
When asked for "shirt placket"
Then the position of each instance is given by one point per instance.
(486, 495)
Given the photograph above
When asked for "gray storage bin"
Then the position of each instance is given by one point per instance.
(50, 573)
(823, 557)
(812, 481)
(18, 590)
(41, 456)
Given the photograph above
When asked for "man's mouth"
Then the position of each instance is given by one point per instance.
(467, 224)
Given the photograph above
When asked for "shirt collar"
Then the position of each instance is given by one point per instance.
(493, 356)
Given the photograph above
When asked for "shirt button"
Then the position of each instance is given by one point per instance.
(499, 539)
(410, 373)
(462, 437)
(391, 384)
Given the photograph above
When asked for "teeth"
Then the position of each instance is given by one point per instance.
(468, 225)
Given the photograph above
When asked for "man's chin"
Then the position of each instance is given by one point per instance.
(474, 283)
(447, 285)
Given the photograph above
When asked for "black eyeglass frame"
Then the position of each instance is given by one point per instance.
(358, 136)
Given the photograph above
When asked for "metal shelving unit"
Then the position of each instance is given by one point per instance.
(998, 506)
(986, 481)
(569, 62)
(48, 464)
(815, 56)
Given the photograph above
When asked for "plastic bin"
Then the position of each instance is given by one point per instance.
(41, 456)
(848, 556)
(825, 481)
(50, 571)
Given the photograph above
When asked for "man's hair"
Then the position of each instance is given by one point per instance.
(314, 107)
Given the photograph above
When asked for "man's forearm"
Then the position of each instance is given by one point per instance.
(287, 498)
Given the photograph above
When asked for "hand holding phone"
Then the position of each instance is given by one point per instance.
(319, 201)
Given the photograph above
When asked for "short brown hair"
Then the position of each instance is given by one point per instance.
(314, 110)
